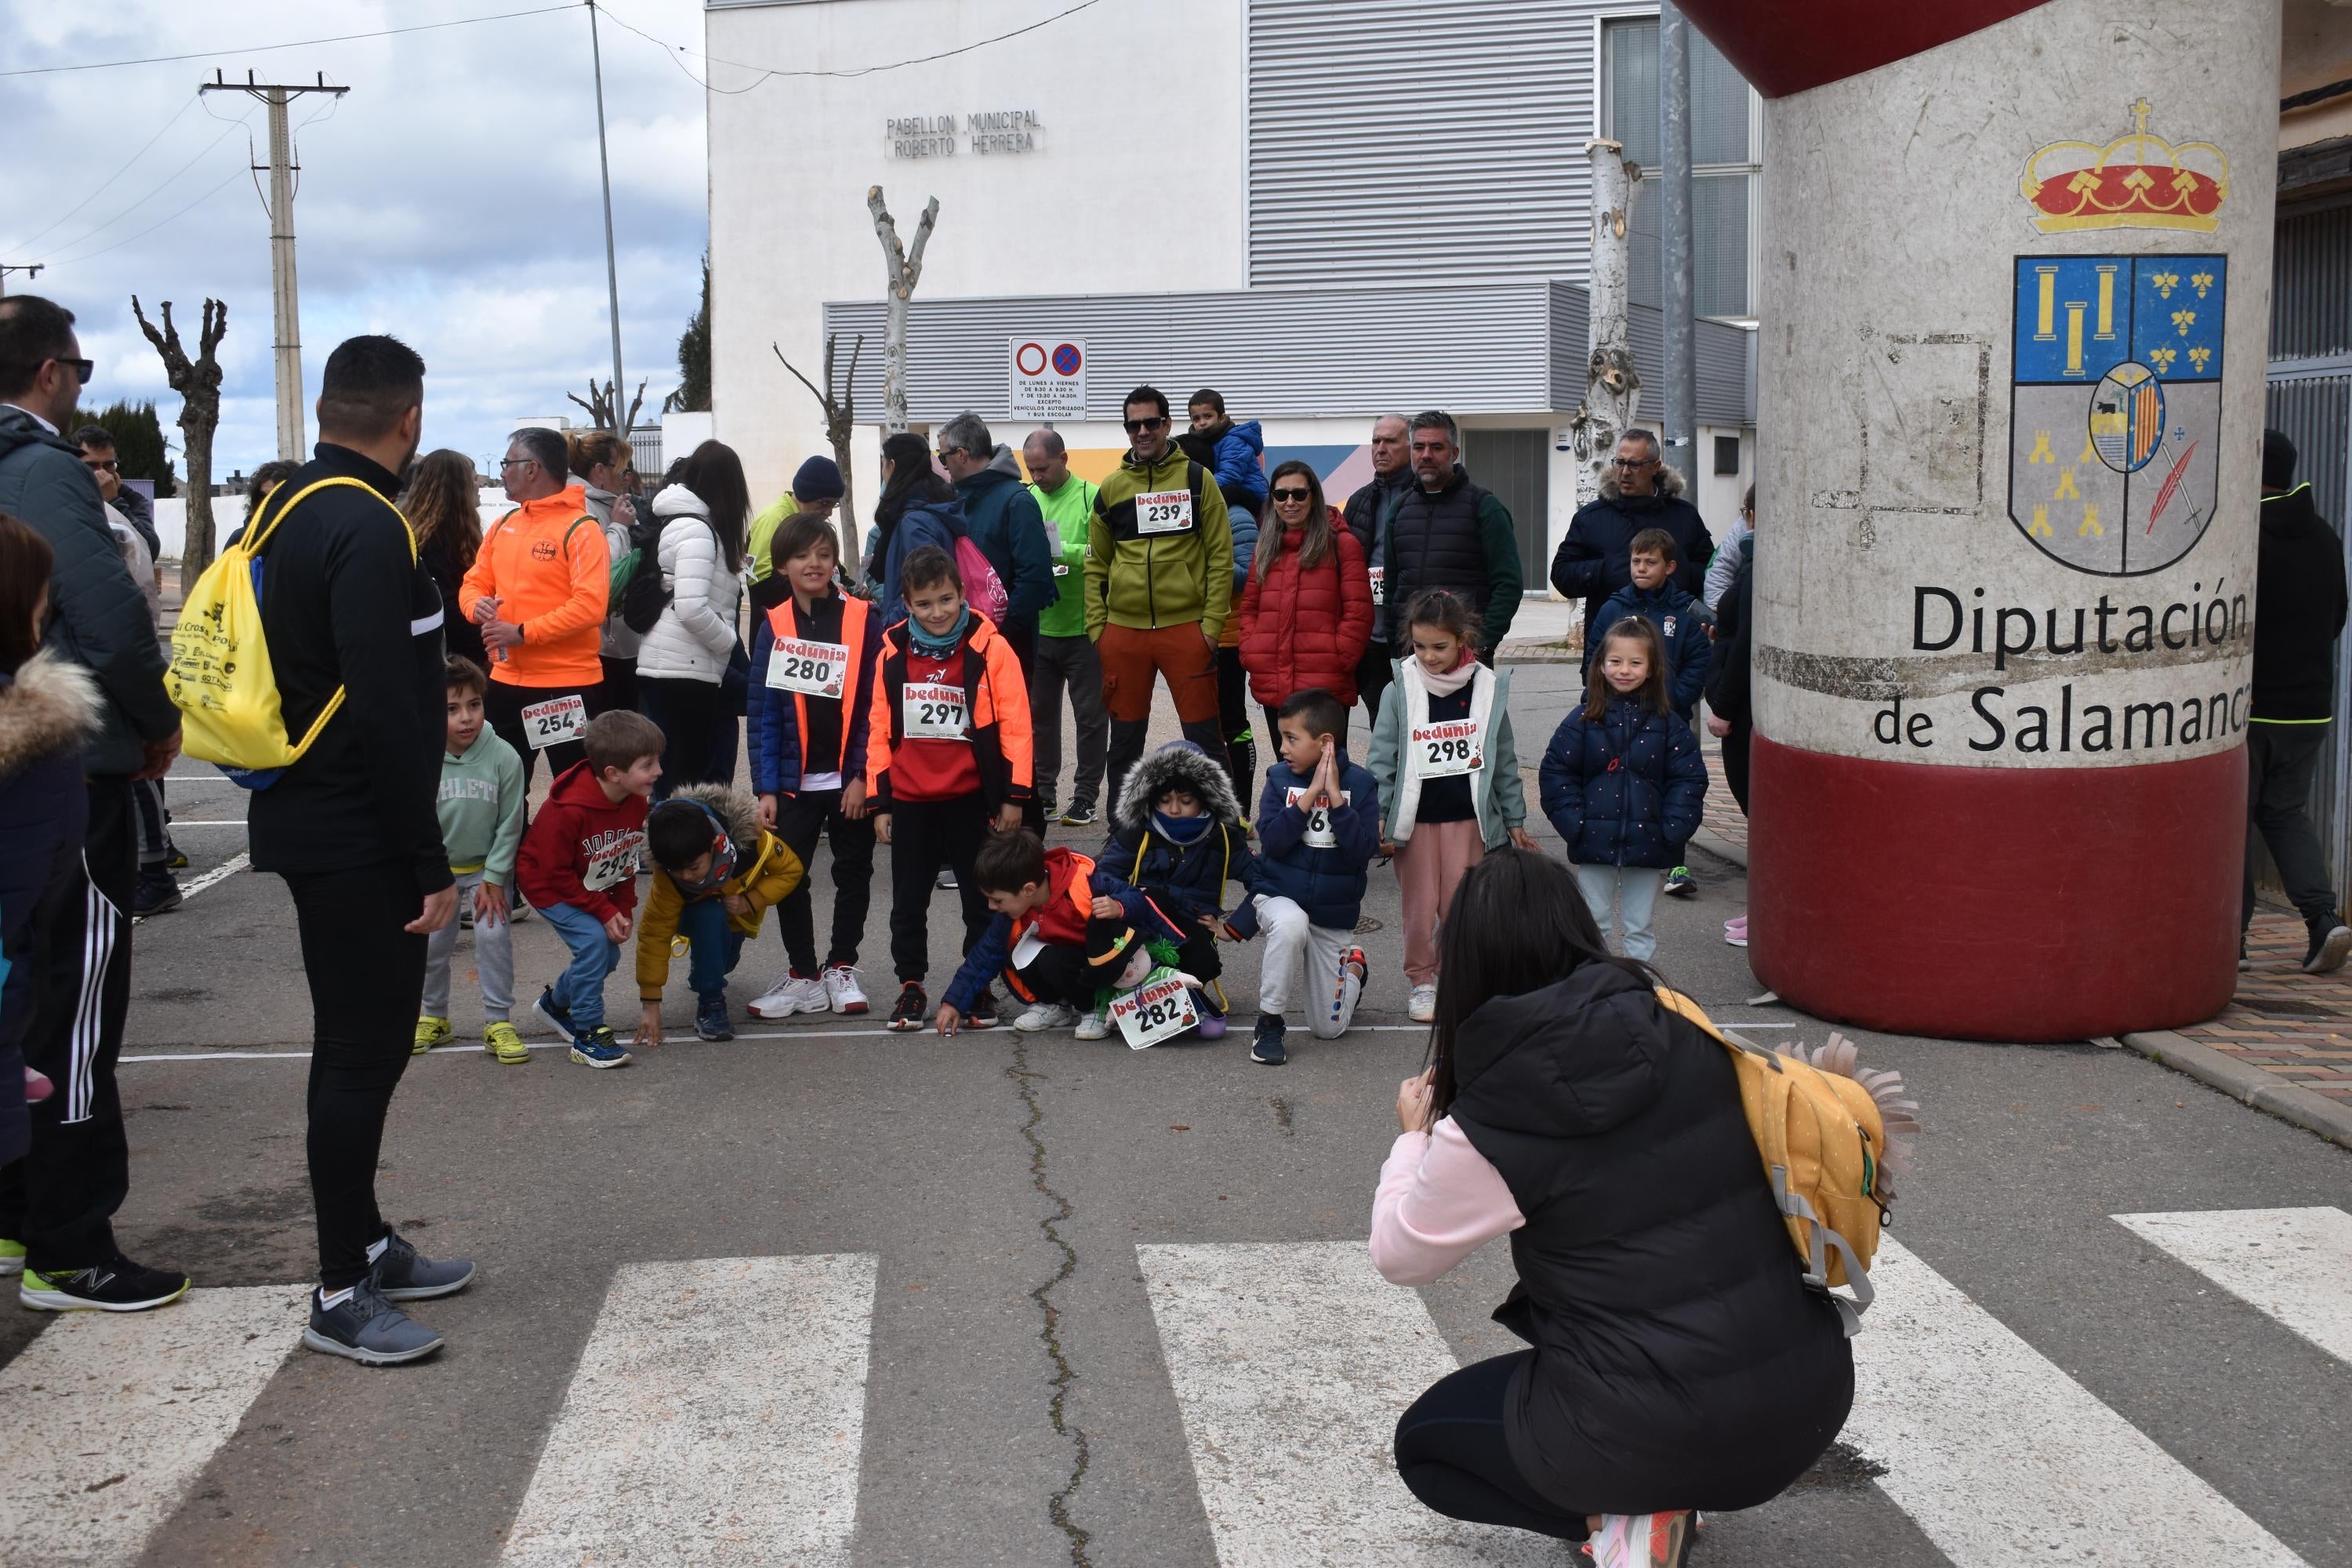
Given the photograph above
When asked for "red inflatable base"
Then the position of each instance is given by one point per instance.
(1997, 903)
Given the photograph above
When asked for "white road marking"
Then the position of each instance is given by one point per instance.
(106, 1420)
(180, 822)
(716, 1417)
(220, 873)
(2293, 1265)
(1291, 1362)
(2001, 1457)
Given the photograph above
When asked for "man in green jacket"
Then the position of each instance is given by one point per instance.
(1065, 656)
(1160, 584)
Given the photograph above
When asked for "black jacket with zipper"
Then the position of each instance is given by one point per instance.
(2299, 603)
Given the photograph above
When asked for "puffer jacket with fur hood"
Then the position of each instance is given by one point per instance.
(696, 632)
(49, 710)
(1595, 560)
(1139, 859)
(766, 872)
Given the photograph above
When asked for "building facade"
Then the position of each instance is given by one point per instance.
(1328, 212)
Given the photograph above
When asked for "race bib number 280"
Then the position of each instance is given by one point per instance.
(1164, 511)
(810, 668)
(555, 722)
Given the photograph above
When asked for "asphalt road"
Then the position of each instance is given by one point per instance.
(828, 1295)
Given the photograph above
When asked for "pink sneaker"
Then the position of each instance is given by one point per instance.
(1642, 1541)
(1735, 931)
(38, 1087)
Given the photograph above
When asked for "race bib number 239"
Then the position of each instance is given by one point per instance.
(1164, 511)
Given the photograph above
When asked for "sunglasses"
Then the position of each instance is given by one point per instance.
(1137, 426)
(1293, 495)
(83, 368)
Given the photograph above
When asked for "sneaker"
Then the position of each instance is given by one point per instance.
(38, 1087)
(843, 992)
(1642, 1540)
(1679, 880)
(518, 911)
(120, 1285)
(598, 1049)
(156, 894)
(1213, 1024)
(793, 993)
(555, 1012)
(945, 880)
(464, 914)
(365, 1328)
(913, 1010)
(1423, 1007)
(1095, 1025)
(1266, 1049)
(431, 1032)
(1079, 815)
(2331, 942)
(710, 1019)
(174, 858)
(401, 1273)
(504, 1041)
(12, 1258)
(1353, 965)
(1047, 1015)
(982, 1014)
(1735, 938)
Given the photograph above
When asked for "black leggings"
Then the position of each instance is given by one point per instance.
(1451, 1452)
(687, 713)
(367, 979)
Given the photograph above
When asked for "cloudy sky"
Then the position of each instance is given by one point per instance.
(450, 197)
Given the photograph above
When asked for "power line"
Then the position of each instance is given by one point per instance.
(151, 228)
(118, 173)
(297, 43)
(89, 234)
(765, 71)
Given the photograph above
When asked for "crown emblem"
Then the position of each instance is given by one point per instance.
(2139, 180)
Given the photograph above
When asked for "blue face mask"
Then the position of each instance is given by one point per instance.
(722, 863)
(1183, 829)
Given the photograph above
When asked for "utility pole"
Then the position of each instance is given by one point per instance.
(284, 297)
(611, 272)
(1681, 411)
(34, 270)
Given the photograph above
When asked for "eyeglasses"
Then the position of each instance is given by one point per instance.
(1138, 427)
(1292, 495)
(83, 368)
(1635, 462)
(505, 463)
(97, 465)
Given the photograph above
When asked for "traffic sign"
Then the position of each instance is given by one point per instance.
(1046, 377)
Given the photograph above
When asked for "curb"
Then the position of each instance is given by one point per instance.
(2217, 1069)
(1716, 844)
(1534, 653)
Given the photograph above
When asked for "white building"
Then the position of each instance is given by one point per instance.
(1327, 211)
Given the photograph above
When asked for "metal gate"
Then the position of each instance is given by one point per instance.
(1516, 465)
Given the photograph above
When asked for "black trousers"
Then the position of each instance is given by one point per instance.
(1451, 1452)
(926, 835)
(1374, 674)
(687, 713)
(503, 705)
(800, 820)
(1023, 641)
(60, 1199)
(1240, 752)
(1735, 762)
(1075, 975)
(367, 977)
(2280, 760)
(620, 682)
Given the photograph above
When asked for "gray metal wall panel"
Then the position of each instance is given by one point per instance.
(1386, 139)
(1516, 465)
(2311, 284)
(1570, 329)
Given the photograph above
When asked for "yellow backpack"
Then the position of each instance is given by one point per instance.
(1828, 1133)
(220, 674)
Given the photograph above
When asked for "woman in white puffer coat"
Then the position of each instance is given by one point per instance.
(684, 659)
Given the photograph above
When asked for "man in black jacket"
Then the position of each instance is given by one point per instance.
(352, 827)
(1368, 514)
(1449, 533)
(1595, 560)
(57, 1204)
(2299, 605)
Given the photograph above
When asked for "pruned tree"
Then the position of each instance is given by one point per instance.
(906, 266)
(197, 381)
(600, 406)
(840, 420)
(1612, 387)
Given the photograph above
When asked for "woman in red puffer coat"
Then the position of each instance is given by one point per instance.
(1307, 609)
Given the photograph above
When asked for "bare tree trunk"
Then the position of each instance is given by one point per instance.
(602, 411)
(1612, 387)
(906, 269)
(198, 384)
(840, 421)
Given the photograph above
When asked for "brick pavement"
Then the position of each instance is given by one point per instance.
(2297, 1027)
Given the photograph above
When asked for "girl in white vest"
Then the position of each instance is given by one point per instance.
(1448, 772)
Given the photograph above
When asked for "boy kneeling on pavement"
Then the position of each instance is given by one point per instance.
(717, 872)
(1319, 828)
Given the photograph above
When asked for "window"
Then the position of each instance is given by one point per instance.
(1726, 455)
(1727, 164)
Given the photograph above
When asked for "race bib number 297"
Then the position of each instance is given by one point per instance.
(932, 712)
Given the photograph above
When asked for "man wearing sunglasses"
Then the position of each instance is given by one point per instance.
(1160, 585)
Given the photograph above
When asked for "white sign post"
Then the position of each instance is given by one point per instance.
(1046, 377)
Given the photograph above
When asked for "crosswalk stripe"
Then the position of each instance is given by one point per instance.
(107, 1419)
(717, 1416)
(2295, 1265)
(1291, 1362)
(2001, 1457)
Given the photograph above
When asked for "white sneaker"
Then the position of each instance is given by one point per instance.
(1047, 1015)
(842, 991)
(1642, 1540)
(791, 994)
(1421, 1009)
(1094, 1025)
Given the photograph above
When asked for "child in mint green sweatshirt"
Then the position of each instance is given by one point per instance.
(482, 793)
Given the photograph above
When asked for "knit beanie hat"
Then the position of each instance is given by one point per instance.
(819, 478)
(2278, 461)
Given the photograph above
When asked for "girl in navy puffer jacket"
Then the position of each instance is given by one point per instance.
(1623, 782)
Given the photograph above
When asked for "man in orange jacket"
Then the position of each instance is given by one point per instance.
(537, 590)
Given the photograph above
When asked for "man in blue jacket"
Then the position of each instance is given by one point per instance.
(1639, 492)
(1002, 519)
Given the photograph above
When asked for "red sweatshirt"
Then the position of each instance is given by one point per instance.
(584, 847)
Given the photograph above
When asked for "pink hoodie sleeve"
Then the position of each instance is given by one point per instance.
(1439, 1201)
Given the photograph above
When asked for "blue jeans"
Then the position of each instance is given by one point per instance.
(580, 988)
(1637, 887)
(712, 945)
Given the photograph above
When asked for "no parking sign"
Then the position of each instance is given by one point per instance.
(1048, 377)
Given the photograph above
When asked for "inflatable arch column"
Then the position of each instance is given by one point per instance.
(2015, 279)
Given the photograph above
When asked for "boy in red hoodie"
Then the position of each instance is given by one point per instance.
(579, 868)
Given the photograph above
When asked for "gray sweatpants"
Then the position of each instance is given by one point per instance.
(493, 955)
(1068, 663)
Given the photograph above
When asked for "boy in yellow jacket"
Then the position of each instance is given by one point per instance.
(715, 873)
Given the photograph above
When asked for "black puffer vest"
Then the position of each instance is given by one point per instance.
(1680, 1359)
(1434, 542)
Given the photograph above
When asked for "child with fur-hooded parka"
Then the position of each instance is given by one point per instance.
(1176, 840)
(764, 873)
